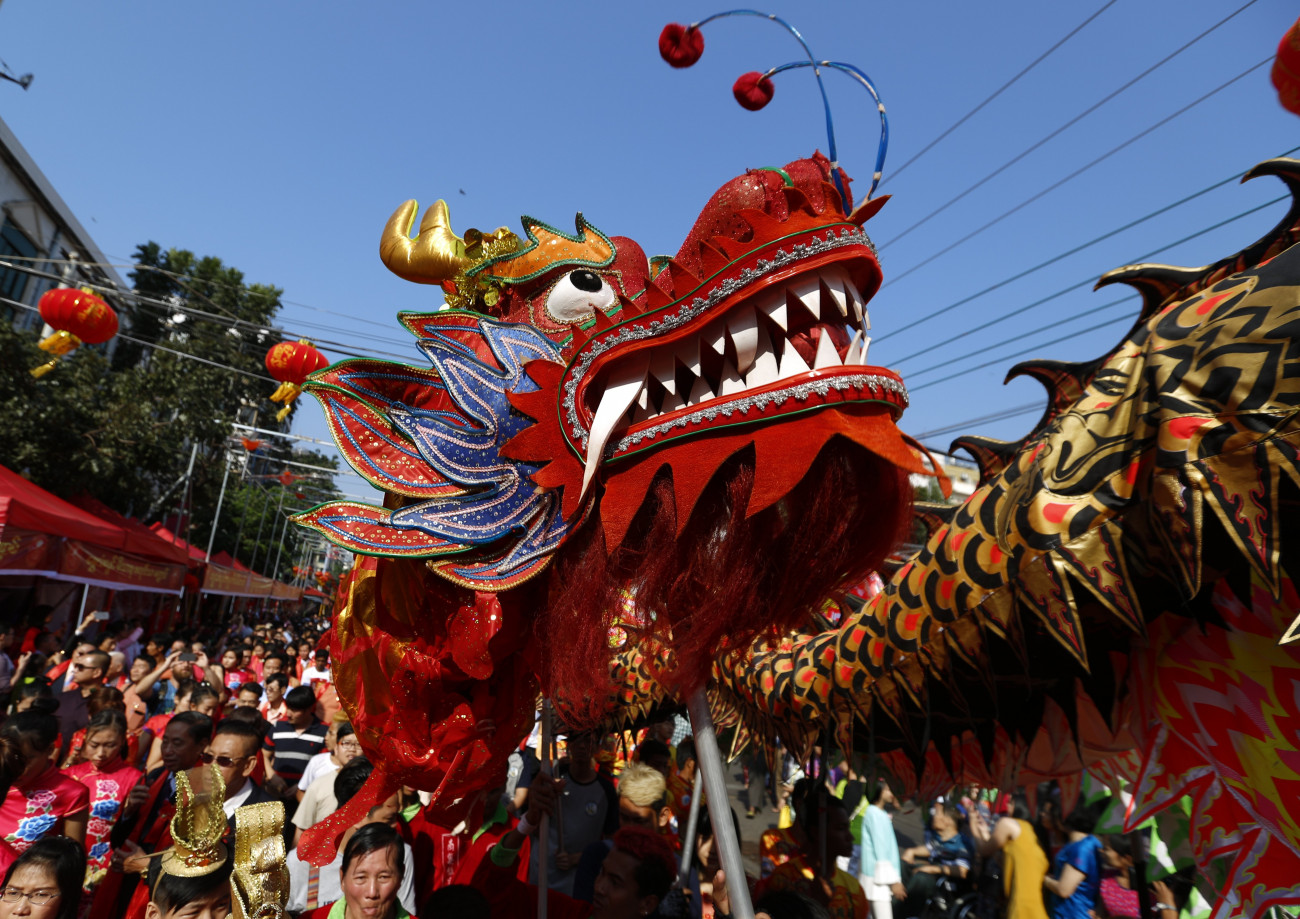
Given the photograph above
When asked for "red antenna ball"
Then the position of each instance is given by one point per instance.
(679, 45)
(753, 90)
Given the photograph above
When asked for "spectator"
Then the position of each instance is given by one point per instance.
(1024, 864)
(306, 882)
(879, 865)
(45, 880)
(317, 801)
(87, 673)
(203, 896)
(150, 807)
(249, 695)
(101, 698)
(275, 709)
(319, 672)
(642, 801)
(656, 754)
(292, 742)
(150, 753)
(116, 675)
(234, 751)
(140, 689)
(813, 873)
(12, 764)
(681, 781)
(108, 779)
(589, 809)
(206, 700)
(37, 689)
(42, 801)
(1075, 881)
(232, 674)
(947, 854)
(372, 871)
(636, 876)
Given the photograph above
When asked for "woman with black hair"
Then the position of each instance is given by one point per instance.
(1076, 871)
(109, 779)
(43, 801)
(45, 881)
(1024, 864)
(205, 896)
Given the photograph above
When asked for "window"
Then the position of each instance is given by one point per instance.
(14, 242)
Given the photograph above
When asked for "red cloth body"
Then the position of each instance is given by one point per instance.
(510, 896)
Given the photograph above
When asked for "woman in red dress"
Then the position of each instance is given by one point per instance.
(109, 779)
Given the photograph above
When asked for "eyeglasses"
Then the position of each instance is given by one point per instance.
(349, 744)
(39, 898)
(225, 762)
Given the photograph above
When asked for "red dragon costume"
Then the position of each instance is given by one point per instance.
(622, 478)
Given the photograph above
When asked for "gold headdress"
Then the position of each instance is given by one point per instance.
(197, 828)
(260, 882)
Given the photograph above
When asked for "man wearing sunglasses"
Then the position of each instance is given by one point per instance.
(234, 750)
(87, 674)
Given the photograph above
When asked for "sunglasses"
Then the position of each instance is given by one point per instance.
(225, 762)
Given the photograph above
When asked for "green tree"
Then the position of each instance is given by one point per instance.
(123, 430)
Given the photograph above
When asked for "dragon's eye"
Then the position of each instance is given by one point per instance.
(577, 295)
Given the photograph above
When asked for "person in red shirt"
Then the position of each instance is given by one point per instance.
(232, 674)
(43, 801)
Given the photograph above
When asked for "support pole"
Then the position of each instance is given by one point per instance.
(543, 840)
(216, 518)
(709, 758)
(692, 824)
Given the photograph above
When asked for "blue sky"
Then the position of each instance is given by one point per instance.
(280, 136)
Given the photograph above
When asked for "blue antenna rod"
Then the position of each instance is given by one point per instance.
(813, 63)
(865, 80)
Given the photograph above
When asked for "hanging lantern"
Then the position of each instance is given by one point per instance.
(1286, 70)
(251, 444)
(78, 317)
(291, 362)
(287, 478)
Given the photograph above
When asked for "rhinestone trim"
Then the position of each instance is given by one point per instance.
(871, 382)
(847, 236)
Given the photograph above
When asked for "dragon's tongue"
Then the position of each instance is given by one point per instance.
(623, 388)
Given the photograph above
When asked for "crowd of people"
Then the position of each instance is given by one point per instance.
(103, 723)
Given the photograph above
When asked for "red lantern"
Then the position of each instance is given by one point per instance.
(77, 316)
(291, 362)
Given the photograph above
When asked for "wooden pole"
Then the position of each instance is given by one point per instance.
(709, 758)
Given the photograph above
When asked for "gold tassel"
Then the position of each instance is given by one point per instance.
(284, 412)
(60, 343)
(45, 368)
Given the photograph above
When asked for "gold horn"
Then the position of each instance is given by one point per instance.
(435, 255)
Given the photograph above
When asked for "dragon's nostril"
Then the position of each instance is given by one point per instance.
(586, 280)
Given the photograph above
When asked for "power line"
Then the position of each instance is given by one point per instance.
(170, 308)
(1084, 283)
(995, 416)
(999, 91)
(1066, 254)
(1006, 341)
(1073, 121)
(1004, 358)
(1081, 170)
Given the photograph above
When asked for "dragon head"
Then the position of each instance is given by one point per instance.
(694, 445)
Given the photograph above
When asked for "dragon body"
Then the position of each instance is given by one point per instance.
(622, 478)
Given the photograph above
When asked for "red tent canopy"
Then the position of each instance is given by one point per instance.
(140, 540)
(193, 553)
(29, 507)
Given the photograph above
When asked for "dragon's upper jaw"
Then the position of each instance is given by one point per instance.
(779, 331)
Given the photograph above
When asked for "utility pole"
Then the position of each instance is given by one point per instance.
(216, 517)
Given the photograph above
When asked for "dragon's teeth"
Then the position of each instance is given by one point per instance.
(624, 386)
(826, 355)
(833, 287)
(700, 392)
(742, 329)
(809, 292)
(775, 307)
(714, 338)
(766, 368)
(663, 367)
(854, 354)
(866, 343)
(791, 363)
(732, 381)
(688, 352)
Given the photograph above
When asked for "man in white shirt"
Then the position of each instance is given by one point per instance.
(234, 750)
(318, 672)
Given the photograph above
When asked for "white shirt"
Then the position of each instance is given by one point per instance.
(232, 804)
(311, 675)
(317, 802)
(330, 888)
(318, 765)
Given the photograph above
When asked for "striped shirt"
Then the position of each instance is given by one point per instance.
(291, 749)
